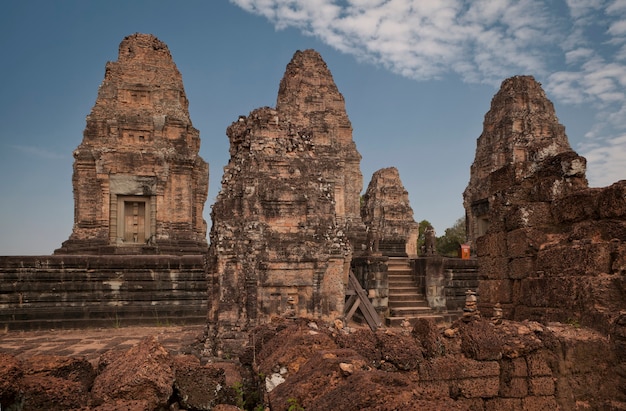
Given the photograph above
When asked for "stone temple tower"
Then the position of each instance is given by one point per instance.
(139, 183)
(521, 131)
(287, 215)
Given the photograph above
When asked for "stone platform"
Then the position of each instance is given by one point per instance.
(91, 343)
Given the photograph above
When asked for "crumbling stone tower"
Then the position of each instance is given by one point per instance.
(520, 131)
(139, 183)
(287, 210)
(553, 249)
(387, 214)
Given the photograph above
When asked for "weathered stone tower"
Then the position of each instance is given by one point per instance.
(139, 183)
(520, 131)
(386, 212)
(287, 209)
(553, 249)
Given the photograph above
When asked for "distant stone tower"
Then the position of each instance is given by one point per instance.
(520, 131)
(139, 183)
(287, 210)
(388, 215)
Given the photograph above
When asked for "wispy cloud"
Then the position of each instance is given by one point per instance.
(481, 41)
(579, 52)
(38, 152)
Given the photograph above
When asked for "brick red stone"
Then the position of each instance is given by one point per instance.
(499, 404)
(496, 290)
(479, 387)
(529, 214)
(540, 363)
(519, 268)
(491, 244)
(540, 404)
(524, 242)
(515, 387)
(449, 368)
(541, 386)
(575, 259)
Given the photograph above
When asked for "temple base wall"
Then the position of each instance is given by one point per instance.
(63, 291)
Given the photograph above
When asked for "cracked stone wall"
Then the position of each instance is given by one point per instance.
(139, 183)
(287, 216)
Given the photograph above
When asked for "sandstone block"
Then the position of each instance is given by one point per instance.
(540, 403)
(493, 268)
(575, 260)
(498, 404)
(541, 386)
(540, 363)
(491, 244)
(528, 215)
(199, 387)
(454, 367)
(524, 242)
(514, 388)
(612, 201)
(496, 291)
(576, 207)
(519, 268)
(143, 371)
(479, 387)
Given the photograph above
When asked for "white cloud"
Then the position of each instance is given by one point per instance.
(608, 161)
(480, 40)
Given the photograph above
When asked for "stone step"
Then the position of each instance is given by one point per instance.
(409, 311)
(405, 282)
(401, 278)
(405, 291)
(408, 304)
(406, 297)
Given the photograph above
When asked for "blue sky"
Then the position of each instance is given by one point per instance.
(417, 76)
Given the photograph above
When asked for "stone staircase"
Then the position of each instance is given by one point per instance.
(406, 299)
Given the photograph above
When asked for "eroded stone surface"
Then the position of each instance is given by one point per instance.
(143, 372)
(522, 143)
(388, 215)
(287, 215)
(139, 183)
(550, 248)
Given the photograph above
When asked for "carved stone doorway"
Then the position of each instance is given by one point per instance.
(133, 222)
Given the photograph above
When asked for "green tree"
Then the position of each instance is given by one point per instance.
(423, 225)
(450, 243)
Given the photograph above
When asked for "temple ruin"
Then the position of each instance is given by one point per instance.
(288, 211)
(139, 183)
(388, 216)
(546, 329)
(549, 248)
(520, 131)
